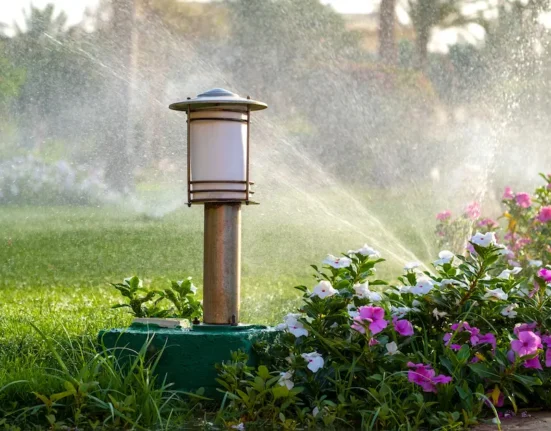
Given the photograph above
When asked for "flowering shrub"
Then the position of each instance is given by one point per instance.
(28, 180)
(442, 348)
(527, 233)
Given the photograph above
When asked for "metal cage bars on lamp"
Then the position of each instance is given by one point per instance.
(248, 183)
(218, 146)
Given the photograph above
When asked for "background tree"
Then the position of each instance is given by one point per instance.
(387, 36)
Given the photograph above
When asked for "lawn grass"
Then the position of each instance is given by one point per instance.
(56, 264)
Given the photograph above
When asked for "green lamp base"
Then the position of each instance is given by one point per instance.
(188, 356)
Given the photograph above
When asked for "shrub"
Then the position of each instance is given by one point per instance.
(28, 180)
(442, 348)
(152, 303)
(527, 229)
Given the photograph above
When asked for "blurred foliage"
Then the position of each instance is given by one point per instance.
(96, 93)
(11, 78)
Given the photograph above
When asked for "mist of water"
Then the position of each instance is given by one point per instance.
(326, 158)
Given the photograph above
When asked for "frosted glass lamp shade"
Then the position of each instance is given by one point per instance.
(218, 150)
(218, 145)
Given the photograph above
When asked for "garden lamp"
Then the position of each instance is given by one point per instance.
(218, 177)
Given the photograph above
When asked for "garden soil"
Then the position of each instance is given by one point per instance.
(538, 421)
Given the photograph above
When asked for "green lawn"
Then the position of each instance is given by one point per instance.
(56, 265)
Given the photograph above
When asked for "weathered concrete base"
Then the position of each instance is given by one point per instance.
(188, 356)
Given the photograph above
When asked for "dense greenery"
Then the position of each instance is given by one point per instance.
(433, 349)
(443, 348)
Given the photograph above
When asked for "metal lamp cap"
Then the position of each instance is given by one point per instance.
(217, 97)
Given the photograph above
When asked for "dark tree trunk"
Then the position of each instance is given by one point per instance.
(421, 43)
(119, 172)
(387, 23)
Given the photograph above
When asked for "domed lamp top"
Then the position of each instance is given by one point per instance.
(217, 97)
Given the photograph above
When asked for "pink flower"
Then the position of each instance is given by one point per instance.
(546, 339)
(533, 363)
(545, 214)
(545, 274)
(500, 398)
(488, 222)
(473, 210)
(527, 343)
(474, 336)
(424, 376)
(508, 193)
(548, 358)
(374, 316)
(461, 326)
(402, 327)
(523, 200)
(441, 379)
(511, 356)
(520, 327)
(488, 338)
(444, 215)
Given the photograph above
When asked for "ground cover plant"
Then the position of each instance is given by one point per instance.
(441, 350)
(442, 346)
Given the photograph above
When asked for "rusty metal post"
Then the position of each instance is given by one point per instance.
(222, 263)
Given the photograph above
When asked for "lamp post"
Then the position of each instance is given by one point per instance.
(218, 177)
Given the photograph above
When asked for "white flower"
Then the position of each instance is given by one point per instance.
(240, 427)
(509, 311)
(324, 289)
(524, 292)
(193, 289)
(484, 240)
(504, 250)
(294, 326)
(438, 314)
(368, 251)
(352, 311)
(445, 256)
(392, 348)
(449, 281)
(403, 289)
(411, 265)
(315, 412)
(424, 285)
(399, 312)
(337, 262)
(285, 379)
(506, 273)
(496, 294)
(415, 303)
(315, 361)
(362, 291)
(535, 263)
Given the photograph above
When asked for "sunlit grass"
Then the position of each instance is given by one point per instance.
(56, 265)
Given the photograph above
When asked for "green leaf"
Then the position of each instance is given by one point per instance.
(527, 381)
(462, 393)
(483, 371)
(463, 354)
(263, 372)
(378, 283)
(280, 392)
